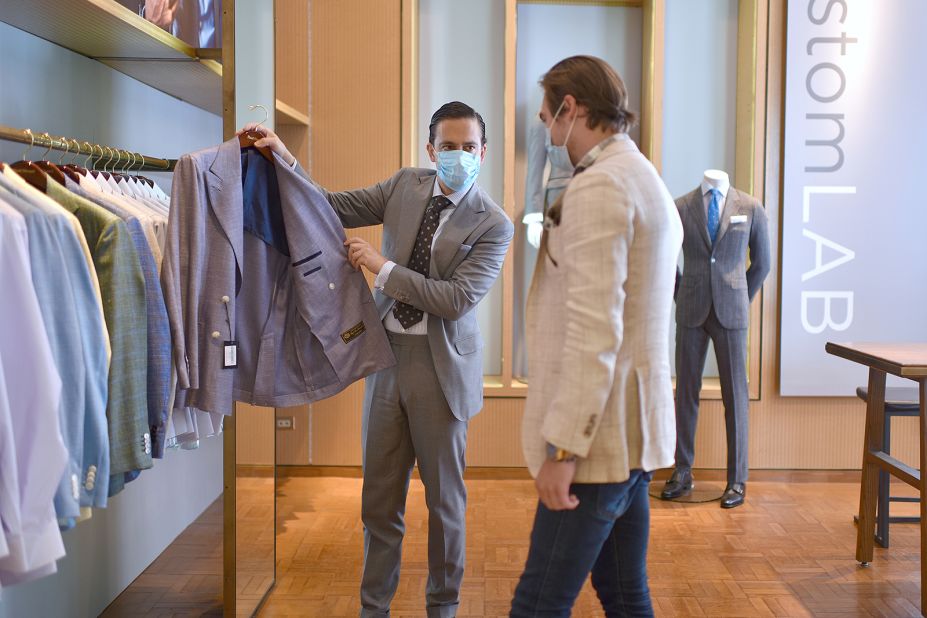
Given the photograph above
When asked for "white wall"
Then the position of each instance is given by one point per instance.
(461, 57)
(47, 88)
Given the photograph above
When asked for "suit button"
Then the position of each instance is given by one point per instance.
(712, 260)
(216, 334)
(92, 469)
(331, 286)
(225, 299)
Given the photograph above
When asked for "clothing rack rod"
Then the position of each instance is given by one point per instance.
(111, 158)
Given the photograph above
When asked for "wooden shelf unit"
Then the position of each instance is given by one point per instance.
(108, 32)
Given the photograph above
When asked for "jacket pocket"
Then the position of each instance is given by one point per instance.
(468, 345)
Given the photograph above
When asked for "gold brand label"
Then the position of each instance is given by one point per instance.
(354, 332)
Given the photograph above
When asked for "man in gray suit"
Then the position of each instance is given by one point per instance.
(444, 241)
(720, 224)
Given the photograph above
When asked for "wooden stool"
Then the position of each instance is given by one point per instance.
(899, 401)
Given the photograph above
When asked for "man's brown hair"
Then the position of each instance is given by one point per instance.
(595, 85)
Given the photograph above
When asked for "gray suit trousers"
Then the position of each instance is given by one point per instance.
(731, 352)
(407, 418)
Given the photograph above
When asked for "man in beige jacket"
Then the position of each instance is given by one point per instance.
(599, 416)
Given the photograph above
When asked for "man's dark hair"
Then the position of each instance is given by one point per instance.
(454, 109)
(593, 83)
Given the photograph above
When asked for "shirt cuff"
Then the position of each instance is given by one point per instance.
(294, 163)
(383, 275)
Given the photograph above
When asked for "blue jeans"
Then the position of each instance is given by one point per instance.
(607, 535)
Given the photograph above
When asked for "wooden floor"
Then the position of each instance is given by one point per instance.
(787, 552)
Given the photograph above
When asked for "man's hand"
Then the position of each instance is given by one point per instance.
(361, 253)
(270, 140)
(553, 485)
(161, 12)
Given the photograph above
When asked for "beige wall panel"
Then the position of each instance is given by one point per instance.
(296, 138)
(336, 428)
(355, 91)
(292, 61)
(355, 141)
(293, 444)
(255, 433)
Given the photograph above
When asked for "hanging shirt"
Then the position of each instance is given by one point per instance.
(93, 446)
(33, 394)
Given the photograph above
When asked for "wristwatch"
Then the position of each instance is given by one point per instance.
(558, 454)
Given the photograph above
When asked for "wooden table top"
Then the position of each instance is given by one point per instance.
(908, 360)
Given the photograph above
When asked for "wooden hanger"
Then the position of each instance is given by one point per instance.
(73, 170)
(47, 166)
(247, 139)
(28, 170)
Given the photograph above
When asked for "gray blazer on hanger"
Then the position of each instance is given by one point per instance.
(305, 323)
(466, 259)
(717, 276)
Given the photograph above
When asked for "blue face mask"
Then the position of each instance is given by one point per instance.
(457, 169)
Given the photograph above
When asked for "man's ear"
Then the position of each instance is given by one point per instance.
(482, 153)
(430, 149)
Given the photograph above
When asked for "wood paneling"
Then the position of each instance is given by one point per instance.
(358, 111)
(292, 72)
(336, 428)
(293, 445)
(255, 434)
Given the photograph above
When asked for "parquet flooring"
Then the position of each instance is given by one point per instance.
(787, 552)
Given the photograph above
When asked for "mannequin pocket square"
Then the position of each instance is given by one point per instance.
(738, 219)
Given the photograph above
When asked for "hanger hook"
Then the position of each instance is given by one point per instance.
(122, 159)
(67, 150)
(31, 144)
(89, 156)
(112, 153)
(51, 143)
(100, 158)
(266, 114)
(76, 151)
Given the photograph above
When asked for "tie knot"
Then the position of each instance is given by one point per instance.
(715, 193)
(440, 202)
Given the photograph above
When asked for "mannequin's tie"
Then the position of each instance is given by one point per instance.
(420, 261)
(714, 214)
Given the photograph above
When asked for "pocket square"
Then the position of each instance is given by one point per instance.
(739, 219)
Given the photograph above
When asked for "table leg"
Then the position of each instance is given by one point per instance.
(869, 487)
(923, 448)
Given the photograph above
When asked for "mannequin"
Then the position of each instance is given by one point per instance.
(717, 179)
(540, 195)
(721, 228)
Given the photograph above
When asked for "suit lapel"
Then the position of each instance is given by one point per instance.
(731, 206)
(697, 207)
(223, 184)
(414, 201)
(466, 217)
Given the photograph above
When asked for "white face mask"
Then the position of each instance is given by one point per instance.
(559, 156)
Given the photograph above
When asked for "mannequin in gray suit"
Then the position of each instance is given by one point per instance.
(444, 241)
(713, 302)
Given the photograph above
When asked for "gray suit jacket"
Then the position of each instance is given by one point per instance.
(466, 259)
(717, 276)
(305, 322)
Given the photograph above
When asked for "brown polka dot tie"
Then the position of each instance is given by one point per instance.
(420, 261)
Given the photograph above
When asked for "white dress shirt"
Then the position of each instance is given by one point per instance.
(706, 197)
(33, 395)
(390, 321)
